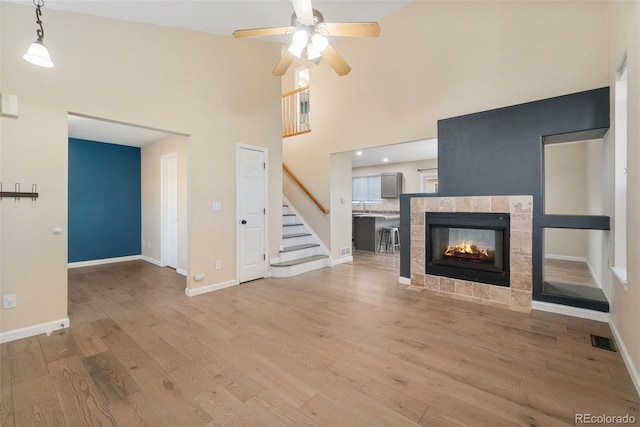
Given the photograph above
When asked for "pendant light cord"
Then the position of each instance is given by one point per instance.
(40, 31)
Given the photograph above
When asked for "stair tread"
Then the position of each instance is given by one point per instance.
(291, 225)
(300, 247)
(290, 236)
(288, 214)
(299, 261)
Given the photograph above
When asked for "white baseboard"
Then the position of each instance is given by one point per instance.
(181, 271)
(567, 310)
(151, 260)
(628, 361)
(42, 328)
(341, 260)
(404, 280)
(594, 276)
(103, 261)
(209, 288)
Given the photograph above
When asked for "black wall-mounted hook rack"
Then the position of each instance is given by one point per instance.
(18, 194)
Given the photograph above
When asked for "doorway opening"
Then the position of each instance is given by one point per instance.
(127, 188)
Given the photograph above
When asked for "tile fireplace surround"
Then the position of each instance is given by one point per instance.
(518, 295)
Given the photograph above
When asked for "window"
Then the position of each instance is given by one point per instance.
(366, 188)
(301, 77)
(429, 182)
(620, 175)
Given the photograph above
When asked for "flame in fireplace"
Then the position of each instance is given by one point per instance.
(467, 250)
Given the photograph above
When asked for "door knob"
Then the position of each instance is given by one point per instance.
(243, 222)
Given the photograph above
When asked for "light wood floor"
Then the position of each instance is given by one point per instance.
(569, 272)
(339, 346)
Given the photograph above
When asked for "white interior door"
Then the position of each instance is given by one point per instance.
(170, 180)
(251, 214)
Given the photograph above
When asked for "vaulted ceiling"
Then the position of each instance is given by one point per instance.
(223, 17)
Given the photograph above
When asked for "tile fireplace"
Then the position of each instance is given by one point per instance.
(487, 239)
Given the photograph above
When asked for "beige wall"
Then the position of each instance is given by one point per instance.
(625, 315)
(341, 220)
(151, 197)
(410, 180)
(216, 89)
(435, 60)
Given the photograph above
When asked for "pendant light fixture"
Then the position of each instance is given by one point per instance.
(38, 53)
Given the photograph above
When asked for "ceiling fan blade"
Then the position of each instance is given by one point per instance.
(336, 61)
(304, 10)
(283, 64)
(272, 31)
(350, 29)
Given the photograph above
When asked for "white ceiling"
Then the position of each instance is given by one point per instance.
(396, 153)
(92, 129)
(223, 17)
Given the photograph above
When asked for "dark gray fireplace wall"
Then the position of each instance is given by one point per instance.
(499, 152)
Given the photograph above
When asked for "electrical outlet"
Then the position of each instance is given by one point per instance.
(198, 277)
(218, 265)
(9, 301)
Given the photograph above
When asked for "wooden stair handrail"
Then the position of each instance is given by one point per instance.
(305, 189)
(291, 92)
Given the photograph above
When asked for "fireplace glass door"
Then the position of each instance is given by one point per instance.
(468, 246)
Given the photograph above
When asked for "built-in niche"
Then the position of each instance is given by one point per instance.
(573, 178)
(573, 198)
(572, 263)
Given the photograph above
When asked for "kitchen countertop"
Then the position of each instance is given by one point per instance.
(376, 215)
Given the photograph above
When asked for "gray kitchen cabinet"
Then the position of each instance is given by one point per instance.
(391, 185)
(366, 230)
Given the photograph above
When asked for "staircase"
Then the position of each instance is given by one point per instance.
(301, 250)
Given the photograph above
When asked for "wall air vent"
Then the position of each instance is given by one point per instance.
(345, 252)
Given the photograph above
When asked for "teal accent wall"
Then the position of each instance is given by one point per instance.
(104, 200)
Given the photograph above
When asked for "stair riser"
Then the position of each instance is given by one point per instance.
(286, 210)
(299, 269)
(290, 220)
(288, 256)
(297, 229)
(298, 241)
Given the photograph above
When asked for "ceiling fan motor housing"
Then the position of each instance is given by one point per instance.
(298, 22)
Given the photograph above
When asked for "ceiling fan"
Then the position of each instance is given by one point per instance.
(309, 37)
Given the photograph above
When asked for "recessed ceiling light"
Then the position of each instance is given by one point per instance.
(358, 153)
(385, 160)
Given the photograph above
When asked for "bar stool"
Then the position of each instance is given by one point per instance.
(389, 236)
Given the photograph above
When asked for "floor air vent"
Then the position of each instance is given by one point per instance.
(602, 342)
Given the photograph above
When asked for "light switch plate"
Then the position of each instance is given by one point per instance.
(9, 105)
(216, 206)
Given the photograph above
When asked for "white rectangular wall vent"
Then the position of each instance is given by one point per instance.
(345, 252)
